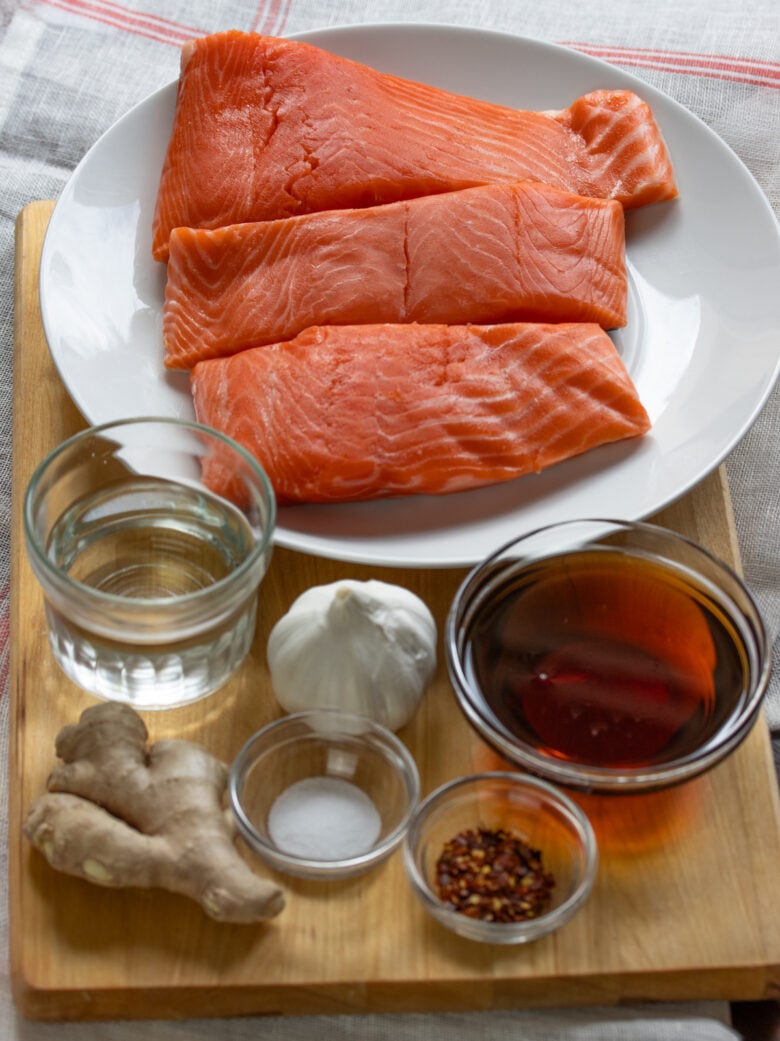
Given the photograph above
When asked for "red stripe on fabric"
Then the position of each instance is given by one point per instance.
(261, 18)
(727, 59)
(286, 5)
(144, 16)
(750, 80)
(270, 20)
(739, 70)
(737, 65)
(150, 26)
(5, 638)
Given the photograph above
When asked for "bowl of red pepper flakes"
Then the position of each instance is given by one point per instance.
(500, 857)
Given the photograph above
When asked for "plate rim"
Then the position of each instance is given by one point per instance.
(374, 553)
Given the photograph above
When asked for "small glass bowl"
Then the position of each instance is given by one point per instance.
(608, 656)
(323, 794)
(546, 819)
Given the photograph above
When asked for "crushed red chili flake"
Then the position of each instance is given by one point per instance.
(493, 875)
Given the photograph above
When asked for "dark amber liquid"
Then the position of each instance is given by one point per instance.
(607, 660)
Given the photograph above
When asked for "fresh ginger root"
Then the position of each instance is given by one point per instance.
(121, 813)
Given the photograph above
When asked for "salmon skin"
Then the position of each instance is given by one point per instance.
(343, 414)
(499, 253)
(266, 128)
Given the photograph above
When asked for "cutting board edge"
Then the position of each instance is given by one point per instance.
(751, 982)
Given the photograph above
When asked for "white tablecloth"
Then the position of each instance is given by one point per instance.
(70, 68)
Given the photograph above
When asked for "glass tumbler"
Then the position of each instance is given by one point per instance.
(150, 538)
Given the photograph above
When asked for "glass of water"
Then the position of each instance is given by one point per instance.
(150, 538)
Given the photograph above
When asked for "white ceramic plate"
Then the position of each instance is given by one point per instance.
(701, 342)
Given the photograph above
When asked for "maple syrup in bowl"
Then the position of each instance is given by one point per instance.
(608, 656)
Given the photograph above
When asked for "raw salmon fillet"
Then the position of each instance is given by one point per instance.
(342, 413)
(267, 128)
(499, 253)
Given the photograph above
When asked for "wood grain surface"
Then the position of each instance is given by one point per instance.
(685, 905)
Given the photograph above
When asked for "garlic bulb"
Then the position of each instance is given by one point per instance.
(364, 647)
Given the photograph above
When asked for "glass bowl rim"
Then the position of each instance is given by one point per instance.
(604, 779)
(501, 932)
(399, 758)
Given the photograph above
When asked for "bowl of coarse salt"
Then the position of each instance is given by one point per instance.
(323, 794)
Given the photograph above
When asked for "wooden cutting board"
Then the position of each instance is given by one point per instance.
(685, 906)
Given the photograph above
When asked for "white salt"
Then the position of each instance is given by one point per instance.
(324, 818)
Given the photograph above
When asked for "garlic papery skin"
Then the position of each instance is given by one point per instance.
(362, 647)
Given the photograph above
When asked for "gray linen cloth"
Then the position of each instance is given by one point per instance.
(70, 68)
